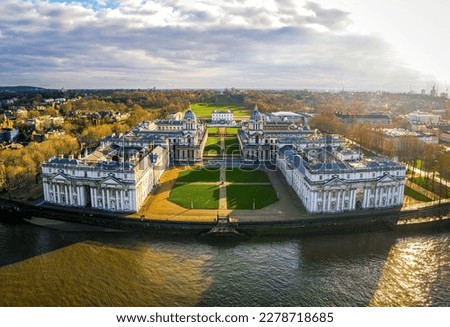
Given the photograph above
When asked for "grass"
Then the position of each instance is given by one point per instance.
(428, 184)
(231, 145)
(200, 196)
(419, 164)
(232, 130)
(213, 130)
(246, 176)
(205, 110)
(199, 175)
(420, 181)
(416, 195)
(213, 140)
(212, 145)
(242, 196)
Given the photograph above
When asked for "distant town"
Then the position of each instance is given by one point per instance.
(113, 150)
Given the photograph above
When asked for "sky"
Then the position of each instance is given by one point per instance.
(389, 45)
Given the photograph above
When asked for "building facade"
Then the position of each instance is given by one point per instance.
(326, 184)
(258, 137)
(186, 138)
(112, 178)
(372, 119)
(222, 117)
(420, 117)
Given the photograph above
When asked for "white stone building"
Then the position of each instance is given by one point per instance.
(187, 137)
(222, 117)
(420, 117)
(112, 178)
(326, 184)
(259, 138)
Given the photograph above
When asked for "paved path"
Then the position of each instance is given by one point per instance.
(222, 190)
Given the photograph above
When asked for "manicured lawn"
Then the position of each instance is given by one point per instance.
(213, 130)
(200, 196)
(242, 196)
(232, 131)
(213, 140)
(416, 195)
(206, 109)
(212, 146)
(231, 145)
(430, 186)
(421, 181)
(199, 175)
(246, 176)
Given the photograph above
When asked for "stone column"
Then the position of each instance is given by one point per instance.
(71, 201)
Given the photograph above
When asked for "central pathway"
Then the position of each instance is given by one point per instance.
(222, 187)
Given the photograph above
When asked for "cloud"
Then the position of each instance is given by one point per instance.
(137, 43)
(330, 18)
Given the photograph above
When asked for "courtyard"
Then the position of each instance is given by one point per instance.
(202, 188)
(199, 194)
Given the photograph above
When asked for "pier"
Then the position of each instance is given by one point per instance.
(225, 226)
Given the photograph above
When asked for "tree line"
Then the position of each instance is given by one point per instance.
(19, 168)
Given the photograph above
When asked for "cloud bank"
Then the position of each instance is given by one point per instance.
(191, 44)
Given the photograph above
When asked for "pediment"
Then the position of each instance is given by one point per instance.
(111, 180)
(254, 133)
(60, 177)
(335, 181)
(387, 178)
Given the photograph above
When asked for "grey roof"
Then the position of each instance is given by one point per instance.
(65, 161)
(335, 166)
(169, 122)
(189, 115)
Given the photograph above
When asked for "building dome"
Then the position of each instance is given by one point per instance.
(255, 115)
(189, 114)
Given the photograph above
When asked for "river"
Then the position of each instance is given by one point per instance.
(45, 267)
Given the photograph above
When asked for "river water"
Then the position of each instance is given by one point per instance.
(44, 267)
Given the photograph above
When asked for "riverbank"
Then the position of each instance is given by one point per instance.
(432, 217)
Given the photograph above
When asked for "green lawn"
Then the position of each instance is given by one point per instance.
(212, 145)
(231, 145)
(421, 181)
(419, 164)
(198, 195)
(206, 109)
(213, 130)
(416, 195)
(246, 176)
(430, 186)
(242, 196)
(199, 175)
(232, 130)
(213, 140)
